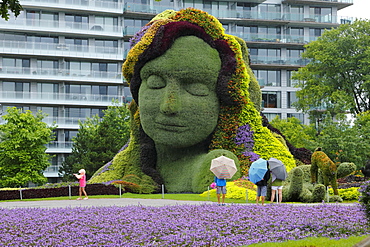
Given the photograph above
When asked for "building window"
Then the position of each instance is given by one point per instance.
(16, 65)
(41, 18)
(291, 99)
(105, 70)
(19, 90)
(300, 116)
(315, 33)
(106, 46)
(75, 44)
(105, 23)
(69, 135)
(78, 68)
(51, 111)
(290, 81)
(47, 67)
(77, 21)
(268, 77)
(271, 116)
(271, 99)
(296, 13)
(294, 56)
(295, 35)
(321, 14)
(265, 56)
(48, 90)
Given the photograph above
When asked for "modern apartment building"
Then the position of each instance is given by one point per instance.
(64, 57)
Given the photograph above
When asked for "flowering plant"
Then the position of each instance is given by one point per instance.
(213, 185)
(365, 198)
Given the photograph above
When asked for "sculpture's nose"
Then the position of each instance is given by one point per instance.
(171, 101)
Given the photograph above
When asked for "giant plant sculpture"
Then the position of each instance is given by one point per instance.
(195, 98)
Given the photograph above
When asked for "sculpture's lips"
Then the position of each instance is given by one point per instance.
(170, 126)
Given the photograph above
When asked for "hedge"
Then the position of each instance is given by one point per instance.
(29, 193)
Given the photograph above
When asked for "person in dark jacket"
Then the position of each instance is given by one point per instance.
(262, 188)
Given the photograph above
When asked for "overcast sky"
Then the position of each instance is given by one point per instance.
(359, 9)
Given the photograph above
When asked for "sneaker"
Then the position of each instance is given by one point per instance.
(86, 198)
(223, 204)
(79, 198)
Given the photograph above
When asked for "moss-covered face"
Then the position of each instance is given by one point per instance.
(178, 103)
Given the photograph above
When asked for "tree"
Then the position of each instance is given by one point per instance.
(22, 148)
(97, 141)
(12, 5)
(337, 78)
(299, 135)
(341, 140)
(344, 142)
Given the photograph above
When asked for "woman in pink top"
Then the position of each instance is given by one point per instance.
(82, 178)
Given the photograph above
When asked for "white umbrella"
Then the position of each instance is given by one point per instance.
(223, 167)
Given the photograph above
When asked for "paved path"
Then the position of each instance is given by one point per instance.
(116, 202)
(97, 203)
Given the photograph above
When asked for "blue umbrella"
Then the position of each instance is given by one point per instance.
(257, 170)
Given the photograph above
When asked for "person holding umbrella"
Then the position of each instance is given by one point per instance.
(262, 188)
(259, 174)
(279, 174)
(223, 168)
(220, 189)
(277, 185)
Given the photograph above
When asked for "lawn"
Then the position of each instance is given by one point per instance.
(185, 225)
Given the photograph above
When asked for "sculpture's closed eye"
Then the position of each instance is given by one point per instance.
(155, 82)
(197, 89)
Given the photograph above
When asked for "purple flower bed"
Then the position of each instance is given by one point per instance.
(190, 225)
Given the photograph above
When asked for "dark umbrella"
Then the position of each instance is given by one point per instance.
(277, 169)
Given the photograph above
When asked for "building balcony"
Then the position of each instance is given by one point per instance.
(85, 5)
(61, 27)
(59, 98)
(238, 16)
(340, 4)
(60, 50)
(64, 122)
(60, 75)
(52, 171)
(277, 60)
(59, 147)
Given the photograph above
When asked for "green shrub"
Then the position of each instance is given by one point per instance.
(234, 192)
(348, 194)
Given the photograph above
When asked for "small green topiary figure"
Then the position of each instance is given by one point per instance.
(329, 170)
(299, 187)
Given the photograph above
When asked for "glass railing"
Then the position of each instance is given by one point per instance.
(258, 37)
(61, 26)
(340, 1)
(52, 169)
(63, 121)
(21, 47)
(64, 97)
(146, 8)
(297, 61)
(59, 145)
(276, 60)
(84, 4)
(130, 30)
(243, 14)
(267, 60)
(62, 73)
